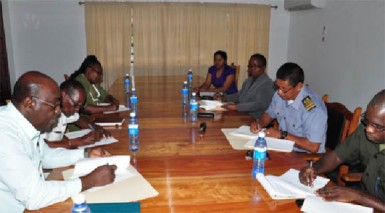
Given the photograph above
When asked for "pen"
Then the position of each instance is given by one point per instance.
(309, 177)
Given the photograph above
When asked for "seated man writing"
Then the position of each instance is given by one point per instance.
(72, 99)
(301, 114)
(366, 145)
(35, 107)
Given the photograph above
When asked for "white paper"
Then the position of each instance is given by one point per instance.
(133, 188)
(244, 131)
(211, 94)
(275, 144)
(122, 108)
(211, 105)
(87, 165)
(288, 186)
(237, 143)
(313, 204)
(80, 133)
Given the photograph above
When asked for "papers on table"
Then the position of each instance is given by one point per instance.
(122, 108)
(208, 94)
(313, 204)
(128, 186)
(244, 131)
(288, 186)
(272, 143)
(87, 165)
(211, 105)
(80, 133)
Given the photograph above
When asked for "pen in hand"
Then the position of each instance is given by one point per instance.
(93, 129)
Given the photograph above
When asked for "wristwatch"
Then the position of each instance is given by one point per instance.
(283, 134)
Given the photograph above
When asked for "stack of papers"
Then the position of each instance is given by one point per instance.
(288, 186)
(313, 204)
(207, 94)
(211, 105)
(87, 165)
(272, 143)
(80, 133)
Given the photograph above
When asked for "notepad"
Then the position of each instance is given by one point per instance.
(313, 204)
(122, 108)
(244, 131)
(81, 133)
(87, 165)
(288, 186)
(208, 94)
(109, 121)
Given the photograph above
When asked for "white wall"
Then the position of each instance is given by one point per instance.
(44, 35)
(49, 35)
(349, 65)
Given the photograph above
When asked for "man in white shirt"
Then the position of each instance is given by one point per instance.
(72, 100)
(35, 107)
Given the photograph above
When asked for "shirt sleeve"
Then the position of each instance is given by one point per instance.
(59, 157)
(272, 107)
(26, 182)
(315, 125)
(261, 101)
(349, 150)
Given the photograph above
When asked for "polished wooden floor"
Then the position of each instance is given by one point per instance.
(192, 173)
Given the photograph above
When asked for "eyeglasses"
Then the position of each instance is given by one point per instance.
(276, 88)
(74, 103)
(53, 106)
(366, 122)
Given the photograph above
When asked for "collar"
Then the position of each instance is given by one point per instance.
(297, 102)
(29, 130)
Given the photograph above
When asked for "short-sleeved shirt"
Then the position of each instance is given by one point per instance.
(306, 116)
(357, 148)
(218, 82)
(95, 92)
(58, 131)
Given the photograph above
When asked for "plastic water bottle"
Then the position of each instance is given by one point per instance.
(259, 156)
(133, 132)
(190, 79)
(80, 205)
(134, 101)
(194, 108)
(127, 83)
(185, 99)
(127, 89)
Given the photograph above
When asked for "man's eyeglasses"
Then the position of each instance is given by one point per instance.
(53, 106)
(74, 103)
(366, 122)
(276, 88)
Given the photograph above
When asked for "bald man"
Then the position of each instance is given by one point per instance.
(35, 108)
(367, 146)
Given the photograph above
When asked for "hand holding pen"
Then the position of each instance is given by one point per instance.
(307, 175)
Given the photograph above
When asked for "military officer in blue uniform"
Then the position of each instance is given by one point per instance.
(301, 113)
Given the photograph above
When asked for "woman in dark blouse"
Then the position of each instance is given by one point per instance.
(221, 76)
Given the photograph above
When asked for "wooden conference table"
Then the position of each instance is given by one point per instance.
(191, 174)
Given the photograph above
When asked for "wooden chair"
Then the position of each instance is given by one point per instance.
(237, 70)
(66, 77)
(341, 123)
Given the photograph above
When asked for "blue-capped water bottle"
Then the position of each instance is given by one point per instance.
(194, 108)
(133, 132)
(80, 205)
(134, 102)
(190, 79)
(185, 100)
(127, 89)
(259, 156)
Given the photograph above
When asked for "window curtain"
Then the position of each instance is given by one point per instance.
(170, 38)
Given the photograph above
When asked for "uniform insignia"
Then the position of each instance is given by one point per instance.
(308, 103)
